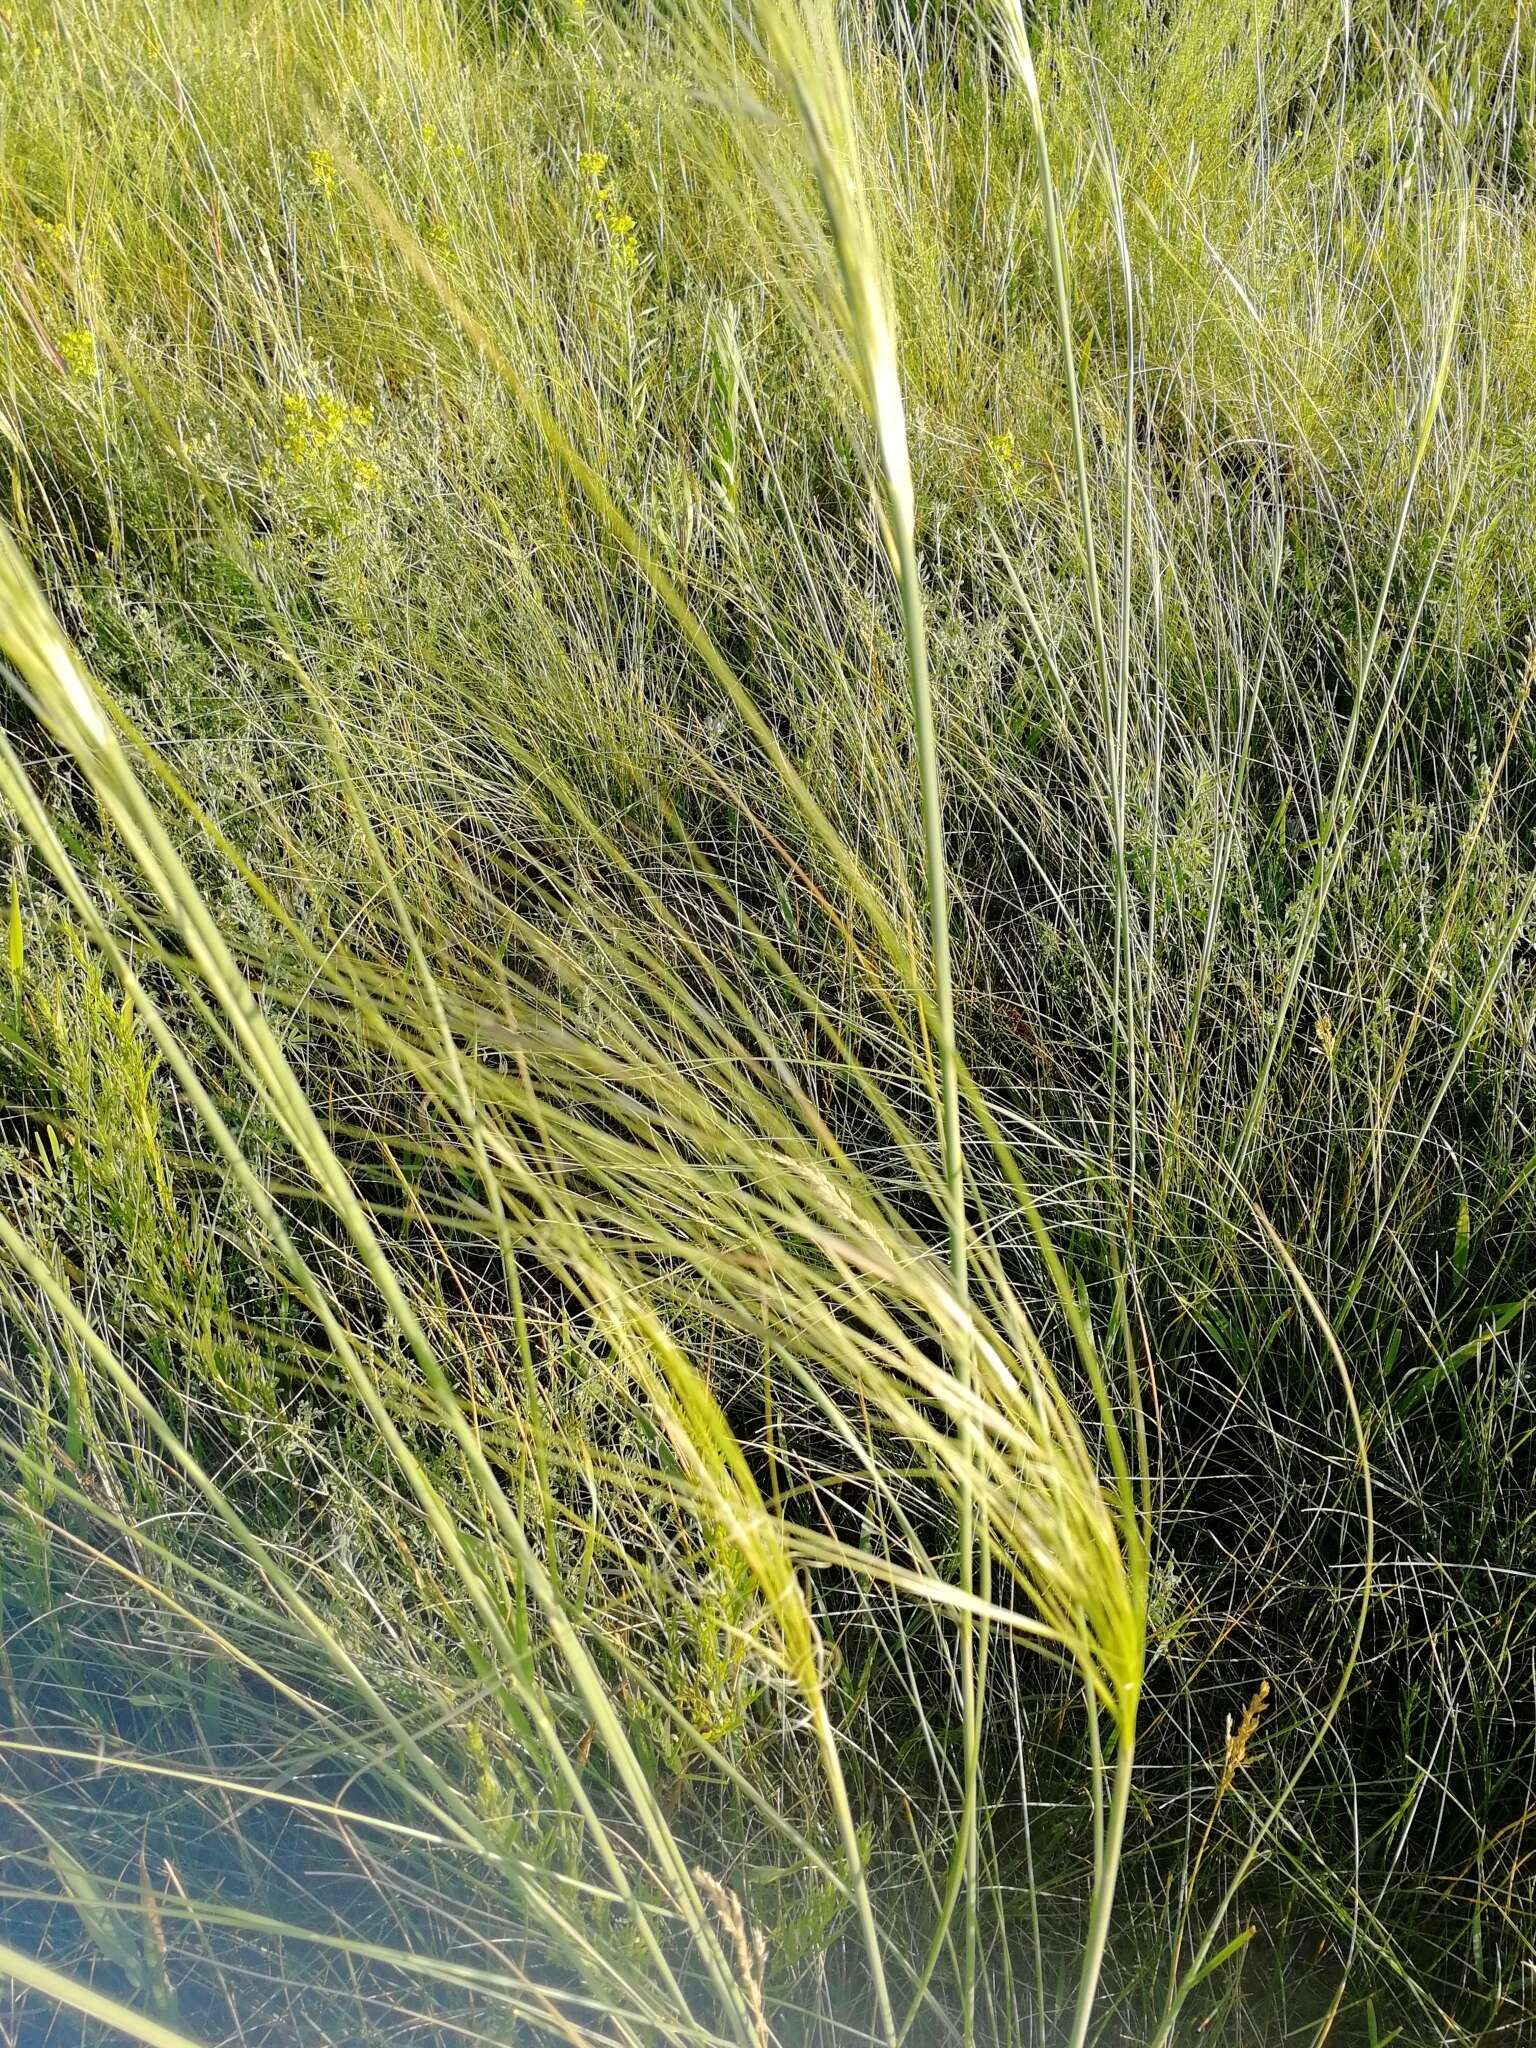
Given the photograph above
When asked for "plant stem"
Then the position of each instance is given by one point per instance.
(972, 1639)
(1104, 1882)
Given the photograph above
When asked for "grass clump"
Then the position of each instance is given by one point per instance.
(766, 1034)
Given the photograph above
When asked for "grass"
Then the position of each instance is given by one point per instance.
(766, 1053)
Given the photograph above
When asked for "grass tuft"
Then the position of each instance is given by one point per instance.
(766, 1043)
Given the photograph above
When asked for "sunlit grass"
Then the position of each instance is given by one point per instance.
(765, 1060)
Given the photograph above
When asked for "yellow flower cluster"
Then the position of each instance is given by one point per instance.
(1004, 453)
(324, 432)
(78, 348)
(436, 233)
(321, 172)
(618, 225)
(490, 1788)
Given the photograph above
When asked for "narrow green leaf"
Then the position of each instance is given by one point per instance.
(96, 1914)
(82, 1998)
(14, 944)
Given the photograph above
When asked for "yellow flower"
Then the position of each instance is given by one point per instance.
(322, 434)
(446, 152)
(298, 426)
(617, 225)
(1004, 453)
(621, 239)
(322, 172)
(78, 348)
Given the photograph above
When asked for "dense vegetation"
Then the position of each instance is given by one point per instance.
(767, 1196)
